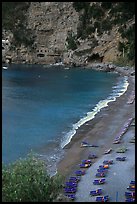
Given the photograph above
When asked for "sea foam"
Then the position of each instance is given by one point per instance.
(118, 91)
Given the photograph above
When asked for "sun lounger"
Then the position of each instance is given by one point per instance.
(116, 142)
(100, 174)
(102, 170)
(121, 158)
(96, 192)
(105, 166)
(131, 188)
(92, 156)
(71, 184)
(79, 173)
(84, 165)
(108, 162)
(99, 181)
(102, 198)
(74, 179)
(132, 182)
(121, 150)
(108, 151)
(86, 161)
(130, 200)
(130, 194)
(70, 190)
(86, 144)
(71, 196)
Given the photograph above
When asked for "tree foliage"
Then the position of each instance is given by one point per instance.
(71, 40)
(14, 19)
(106, 15)
(28, 181)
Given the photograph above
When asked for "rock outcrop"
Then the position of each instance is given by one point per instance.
(51, 22)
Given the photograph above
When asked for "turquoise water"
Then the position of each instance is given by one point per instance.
(43, 106)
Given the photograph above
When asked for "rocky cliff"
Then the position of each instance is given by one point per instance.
(70, 32)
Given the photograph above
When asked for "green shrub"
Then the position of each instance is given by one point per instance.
(71, 40)
(80, 5)
(14, 19)
(28, 181)
(106, 5)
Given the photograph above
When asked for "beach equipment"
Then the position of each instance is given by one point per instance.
(108, 151)
(130, 200)
(102, 198)
(130, 194)
(100, 174)
(99, 181)
(106, 166)
(92, 156)
(108, 162)
(131, 187)
(96, 192)
(71, 184)
(132, 182)
(86, 144)
(121, 158)
(132, 140)
(74, 179)
(84, 165)
(86, 161)
(102, 170)
(70, 190)
(121, 150)
(116, 142)
(71, 196)
(79, 172)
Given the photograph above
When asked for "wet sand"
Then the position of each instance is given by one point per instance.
(101, 131)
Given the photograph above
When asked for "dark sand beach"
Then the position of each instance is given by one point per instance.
(101, 131)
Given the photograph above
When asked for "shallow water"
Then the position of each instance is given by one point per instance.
(43, 106)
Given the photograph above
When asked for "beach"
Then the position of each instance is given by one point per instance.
(101, 131)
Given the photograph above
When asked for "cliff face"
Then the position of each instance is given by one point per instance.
(55, 27)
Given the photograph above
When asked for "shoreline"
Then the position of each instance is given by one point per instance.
(100, 105)
(92, 131)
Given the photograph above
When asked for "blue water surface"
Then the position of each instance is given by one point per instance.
(40, 104)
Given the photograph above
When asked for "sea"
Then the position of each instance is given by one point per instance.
(44, 105)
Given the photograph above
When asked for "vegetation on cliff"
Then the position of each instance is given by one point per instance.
(104, 16)
(98, 24)
(28, 181)
(14, 16)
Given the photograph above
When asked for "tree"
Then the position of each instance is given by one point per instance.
(27, 181)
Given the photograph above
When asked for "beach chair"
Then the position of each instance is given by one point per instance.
(92, 156)
(116, 142)
(74, 178)
(71, 184)
(96, 192)
(70, 189)
(108, 151)
(100, 174)
(102, 170)
(120, 158)
(121, 150)
(108, 162)
(106, 166)
(99, 181)
(130, 200)
(84, 165)
(71, 196)
(132, 182)
(79, 173)
(102, 198)
(86, 161)
(131, 187)
(130, 194)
